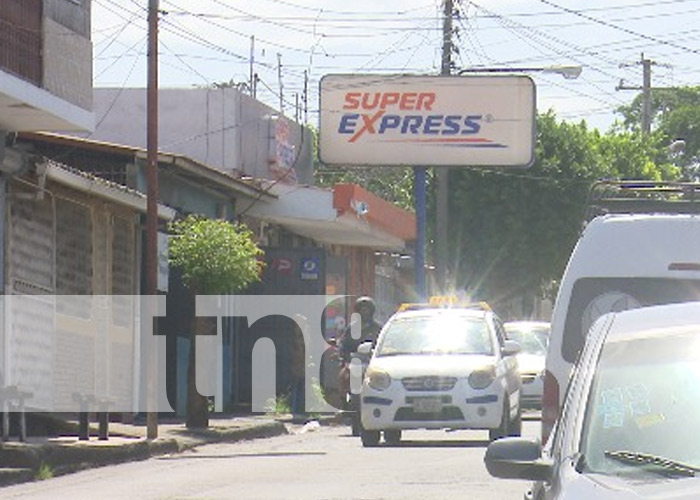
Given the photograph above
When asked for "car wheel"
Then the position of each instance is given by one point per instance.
(355, 419)
(369, 438)
(356, 424)
(502, 429)
(392, 436)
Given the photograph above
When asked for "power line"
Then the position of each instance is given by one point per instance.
(185, 63)
(608, 8)
(315, 9)
(621, 28)
(554, 48)
(260, 18)
(303, 20)
(194, 37)
(104, 70)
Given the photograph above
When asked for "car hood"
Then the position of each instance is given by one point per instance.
(441, 365)
(647, 487)
(530, 363)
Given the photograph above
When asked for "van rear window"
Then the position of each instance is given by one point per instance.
(593, 297)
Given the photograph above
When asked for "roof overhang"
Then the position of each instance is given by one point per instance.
(308, 211)
(26, 107)
(341, 231)
(354, 200)
(200, 173)
(103, 189)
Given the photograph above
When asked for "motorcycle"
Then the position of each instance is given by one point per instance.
(351, 376)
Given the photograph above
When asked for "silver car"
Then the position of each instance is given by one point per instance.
(631, 418)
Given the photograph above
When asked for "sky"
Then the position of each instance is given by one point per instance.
(291, 44)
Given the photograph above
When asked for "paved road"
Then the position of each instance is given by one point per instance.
(325, 463)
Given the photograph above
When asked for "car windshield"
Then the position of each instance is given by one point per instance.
(532, 341)
(644, 402)
(438, 334)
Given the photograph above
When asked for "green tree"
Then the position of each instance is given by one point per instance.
(215, 257)
(675, 115)
(514, 230)
(394, 184)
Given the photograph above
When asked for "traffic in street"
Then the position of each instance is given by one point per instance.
(332, 250)
(317, 464)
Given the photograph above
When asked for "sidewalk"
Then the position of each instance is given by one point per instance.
(42, 457)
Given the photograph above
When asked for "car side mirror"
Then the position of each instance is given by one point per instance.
(365, 348)
(510, 348)
(517, 458)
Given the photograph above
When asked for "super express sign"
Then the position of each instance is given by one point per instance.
(385, 120)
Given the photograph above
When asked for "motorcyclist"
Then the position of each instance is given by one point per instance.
(368, 326)
(369, 330)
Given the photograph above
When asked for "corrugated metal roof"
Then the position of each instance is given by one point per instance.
(234, 181)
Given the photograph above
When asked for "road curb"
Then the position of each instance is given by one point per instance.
(22, 462)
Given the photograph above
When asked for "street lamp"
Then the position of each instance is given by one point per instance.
(569, 72)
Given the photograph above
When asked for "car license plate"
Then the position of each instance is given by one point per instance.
(427, 405)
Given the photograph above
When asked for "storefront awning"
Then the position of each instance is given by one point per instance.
(309, 211)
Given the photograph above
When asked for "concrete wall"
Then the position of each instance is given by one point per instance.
(67, 51)
(73, 14)
(67, 64)
(222, 128)
(184, 196)
(258, 128)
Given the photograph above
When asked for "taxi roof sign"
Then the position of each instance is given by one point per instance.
(444, 302)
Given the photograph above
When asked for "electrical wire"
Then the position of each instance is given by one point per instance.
(635, 6)
(187, 65)
(130, 49)
(508, 24)
(621, 28)
(329, 28)
(329, 11)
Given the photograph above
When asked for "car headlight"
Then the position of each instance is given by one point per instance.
(379, 380)
(482, 378)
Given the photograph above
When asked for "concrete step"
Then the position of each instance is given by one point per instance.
(15, 475)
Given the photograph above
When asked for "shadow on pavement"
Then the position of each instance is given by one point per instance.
(272, 454)
(448, 443)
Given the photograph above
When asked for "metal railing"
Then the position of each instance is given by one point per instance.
(21, 39)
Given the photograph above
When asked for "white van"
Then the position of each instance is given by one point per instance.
(621, 261)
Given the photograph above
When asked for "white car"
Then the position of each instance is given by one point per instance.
(533, 337)
(437, 368)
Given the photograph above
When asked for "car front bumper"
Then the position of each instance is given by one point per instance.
(458, 408)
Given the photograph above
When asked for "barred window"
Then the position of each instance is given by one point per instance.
(123, 257)
(73, 249)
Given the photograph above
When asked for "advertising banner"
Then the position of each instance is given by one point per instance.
(475, 120)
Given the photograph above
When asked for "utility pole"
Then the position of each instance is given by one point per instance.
(296, 107)
(251, 81)
(442, 173)
(279, 79)
(646, 96)
(152, 205)
(305, 97)
(646, 89)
